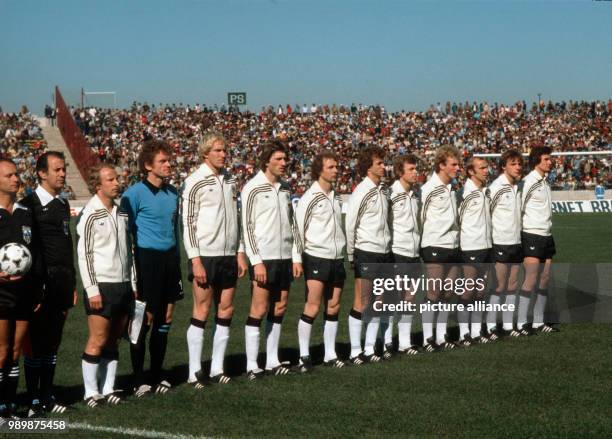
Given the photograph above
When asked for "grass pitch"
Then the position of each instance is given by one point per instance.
(545, 386)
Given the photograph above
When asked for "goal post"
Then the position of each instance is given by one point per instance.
(86, 98)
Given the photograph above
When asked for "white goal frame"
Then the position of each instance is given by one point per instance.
(87, 93)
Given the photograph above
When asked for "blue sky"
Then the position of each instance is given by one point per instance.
(399, 54)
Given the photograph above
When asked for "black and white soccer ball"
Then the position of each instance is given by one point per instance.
(15, 259)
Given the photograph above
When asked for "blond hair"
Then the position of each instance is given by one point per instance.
(443, 153)
(208, 141)
(93, 180)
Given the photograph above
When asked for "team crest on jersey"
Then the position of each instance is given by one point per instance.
(66, 227)
(27, 234)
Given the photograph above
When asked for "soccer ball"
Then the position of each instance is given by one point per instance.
(15, 259)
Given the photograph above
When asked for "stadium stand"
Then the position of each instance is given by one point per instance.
(115, 135)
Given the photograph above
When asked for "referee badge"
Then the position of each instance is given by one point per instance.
(27, 234)
(66, 226)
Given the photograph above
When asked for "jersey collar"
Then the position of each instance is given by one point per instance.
(45, 197)
(316, 188)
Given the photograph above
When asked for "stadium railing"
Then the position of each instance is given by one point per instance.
(82, 154)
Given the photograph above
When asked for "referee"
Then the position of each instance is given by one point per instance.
(18, 294)
(52, 223)
(152, 207)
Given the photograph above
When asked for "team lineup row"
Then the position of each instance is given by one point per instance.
(130, 251)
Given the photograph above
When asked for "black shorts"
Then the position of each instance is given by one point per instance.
(279, 273)
(363, 258)
(159, 277)
(117, 300)
(59, 288)
(401, 259)
(476, 256)
(16, 308)
(221, 271)
(508, 254)
(538, 246)
(18, 299)
(440, 255)
(328, 271)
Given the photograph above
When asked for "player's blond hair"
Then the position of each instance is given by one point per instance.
(93, 180)
(208, 141)
(443, 153)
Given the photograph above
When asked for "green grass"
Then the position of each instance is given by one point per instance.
(545, 386)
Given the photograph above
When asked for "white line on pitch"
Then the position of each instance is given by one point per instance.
(130, 431)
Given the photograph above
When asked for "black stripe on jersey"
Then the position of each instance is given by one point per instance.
(249, 210)
(530, 192)
(364, 201)
(309, 209)
(498, 196)
(399, 197)
(191, 200)
(465, 203)
(363, 205)
(88, 247)
(437, 191)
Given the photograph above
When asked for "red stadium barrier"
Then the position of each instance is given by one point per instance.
(82, 154)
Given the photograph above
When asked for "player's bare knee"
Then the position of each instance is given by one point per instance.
(225, 311)
(333, 308)
(280, 308)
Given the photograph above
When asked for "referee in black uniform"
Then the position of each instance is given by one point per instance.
(19, 295)
(52, 225)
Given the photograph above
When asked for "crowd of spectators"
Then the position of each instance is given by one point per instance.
(116, 135)
(22, 141)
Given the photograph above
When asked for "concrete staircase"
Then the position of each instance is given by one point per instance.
(73, 176)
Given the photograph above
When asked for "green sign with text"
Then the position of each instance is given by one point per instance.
(236, 98)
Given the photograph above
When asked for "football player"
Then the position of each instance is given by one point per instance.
(319, 221)
(368, 237)
(537, 240)
(105, 261)
(152, 207)
(216, 254)
(274, 250)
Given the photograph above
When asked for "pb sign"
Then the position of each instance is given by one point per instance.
(236, 98)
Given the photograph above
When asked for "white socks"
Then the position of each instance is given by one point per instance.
(428, 317)
(220, 340)
(251, 338)
(108, 372)
(195, 341)
(523, 309)
(539, 308)
(329, 337)
(371, 335)
(508, 316)
(273, 332)
(386, 325)
(441, 327)
(492, 315)
(90, 365)
(464, 320)
(476, 323)
(354, 324)
(404, 329)
(304, 331)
